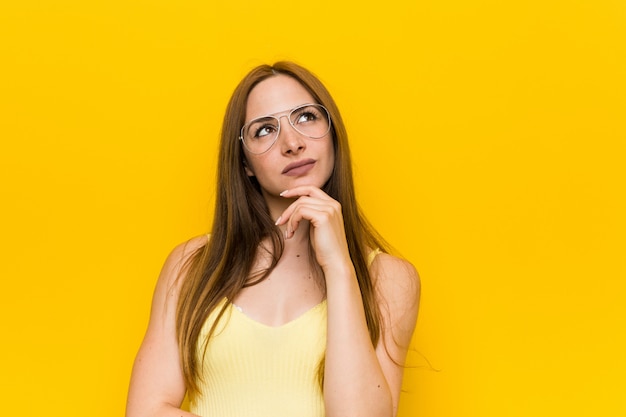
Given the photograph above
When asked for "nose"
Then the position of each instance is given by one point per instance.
(291, 141)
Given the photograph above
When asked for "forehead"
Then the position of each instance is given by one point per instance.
(275, 95)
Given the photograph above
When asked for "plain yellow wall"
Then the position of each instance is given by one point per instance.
(489, 145)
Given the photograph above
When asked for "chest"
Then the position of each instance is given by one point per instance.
(290, 290)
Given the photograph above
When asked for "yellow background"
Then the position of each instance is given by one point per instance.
(489, 148)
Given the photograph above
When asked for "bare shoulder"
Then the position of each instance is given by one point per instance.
(398, 290)
(167, 288)
(183, 251)
(396, 280)
(177, 259)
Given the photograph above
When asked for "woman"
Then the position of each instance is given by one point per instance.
(291, 307)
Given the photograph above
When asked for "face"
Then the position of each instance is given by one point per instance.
(294, 159)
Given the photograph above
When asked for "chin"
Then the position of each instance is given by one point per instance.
(309, 181)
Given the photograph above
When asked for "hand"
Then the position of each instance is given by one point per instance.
(327, 233)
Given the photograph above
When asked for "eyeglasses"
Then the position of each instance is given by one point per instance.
(310, 120)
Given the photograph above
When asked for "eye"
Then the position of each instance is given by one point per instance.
(263, 131)
(306, 115)
(262, 128)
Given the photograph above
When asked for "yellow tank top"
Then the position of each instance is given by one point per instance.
(254, 370)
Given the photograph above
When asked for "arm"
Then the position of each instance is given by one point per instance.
(360, 379)
(157, 387)
(398, 289)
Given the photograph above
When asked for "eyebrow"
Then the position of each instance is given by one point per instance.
(285, 112)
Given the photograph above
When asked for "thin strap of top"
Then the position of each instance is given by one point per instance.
(372, 255)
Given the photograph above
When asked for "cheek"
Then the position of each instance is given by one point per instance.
(255, 165)
(333, 155)
(248, 169)
(250, 164)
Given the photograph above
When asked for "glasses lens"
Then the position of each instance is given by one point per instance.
(311, 120)
(259, 134)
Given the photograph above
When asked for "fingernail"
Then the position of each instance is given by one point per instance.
(278, 220)
(281, 194)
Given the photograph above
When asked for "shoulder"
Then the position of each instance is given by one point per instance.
(387, 269)
(397, 283)
(177, 260)
(184, 250)
(168, 286)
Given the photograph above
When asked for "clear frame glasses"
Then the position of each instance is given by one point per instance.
(310, 120)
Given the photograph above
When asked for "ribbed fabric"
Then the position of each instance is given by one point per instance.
(255, 370)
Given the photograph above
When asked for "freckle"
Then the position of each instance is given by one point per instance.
(297, 256)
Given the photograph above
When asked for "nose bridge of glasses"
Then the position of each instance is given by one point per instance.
(281, 125)
(280, 116)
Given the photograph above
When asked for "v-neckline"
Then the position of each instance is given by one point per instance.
(239, 311)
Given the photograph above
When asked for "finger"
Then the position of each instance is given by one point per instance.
(303, 201)
(315, 214)
(297, 212)
(305, 190)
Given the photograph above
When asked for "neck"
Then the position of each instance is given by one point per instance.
(300, 237)
(277, 205)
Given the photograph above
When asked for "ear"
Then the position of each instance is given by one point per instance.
(249, 172)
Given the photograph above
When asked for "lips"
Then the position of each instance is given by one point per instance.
(299, 167)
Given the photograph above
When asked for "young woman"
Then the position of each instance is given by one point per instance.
(291, 307)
